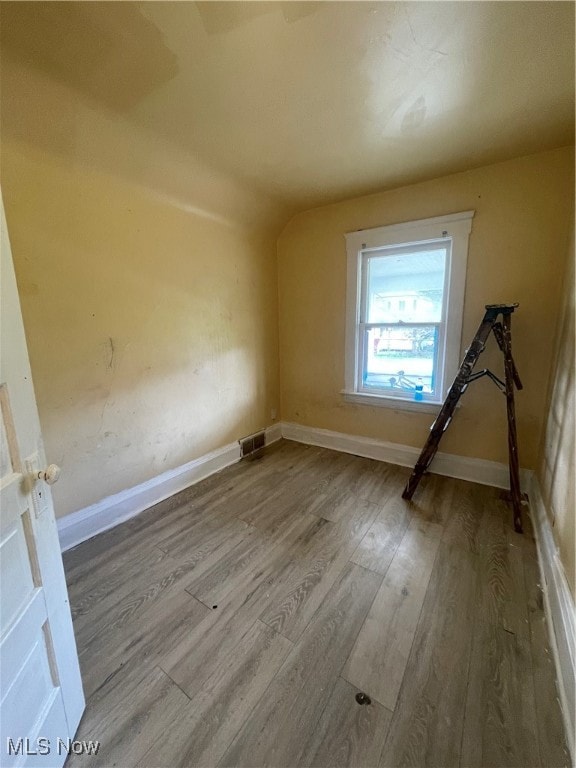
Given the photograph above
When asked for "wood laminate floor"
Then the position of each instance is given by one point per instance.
(235, 623)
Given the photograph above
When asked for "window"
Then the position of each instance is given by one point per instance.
(404, 310)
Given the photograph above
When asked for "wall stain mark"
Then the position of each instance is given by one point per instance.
(112, 351)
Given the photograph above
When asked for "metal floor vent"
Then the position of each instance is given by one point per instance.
(251, 444)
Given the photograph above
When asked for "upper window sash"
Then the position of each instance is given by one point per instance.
(398, 250)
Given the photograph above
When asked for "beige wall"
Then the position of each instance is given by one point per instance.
(148, 286)
(557, 460)
(517, 253)
(149, 290)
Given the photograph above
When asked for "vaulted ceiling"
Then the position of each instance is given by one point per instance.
(311, 102)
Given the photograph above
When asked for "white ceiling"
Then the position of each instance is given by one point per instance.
(319, 101)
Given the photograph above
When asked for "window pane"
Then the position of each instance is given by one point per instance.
(405, 286)
(401, 358)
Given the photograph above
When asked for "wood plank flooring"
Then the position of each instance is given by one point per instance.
(235, 623)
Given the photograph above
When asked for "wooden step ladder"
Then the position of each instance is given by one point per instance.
(502, 332)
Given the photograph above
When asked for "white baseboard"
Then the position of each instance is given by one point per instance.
(559, 608)
(273, 433)
(116, 509)
(105, 514)
(461, 467)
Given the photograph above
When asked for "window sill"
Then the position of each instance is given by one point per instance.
(397, 403)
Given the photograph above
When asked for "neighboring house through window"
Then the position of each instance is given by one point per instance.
(405, 297)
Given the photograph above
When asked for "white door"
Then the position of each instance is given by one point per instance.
(41, 698)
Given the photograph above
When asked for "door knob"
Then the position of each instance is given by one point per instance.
(50, 475)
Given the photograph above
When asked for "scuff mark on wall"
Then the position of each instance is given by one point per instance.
(111, 352)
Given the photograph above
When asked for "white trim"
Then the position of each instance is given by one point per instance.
(462, 467)
(559, 608)
(397, 403)
(435, 222)
(273, 433)
(454, 227)
(113, 510)
(116, 509)
(353, 292)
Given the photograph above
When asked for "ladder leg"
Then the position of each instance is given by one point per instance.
(447, 410)
(511, 374)
(498, 334)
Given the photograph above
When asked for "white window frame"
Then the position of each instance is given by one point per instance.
(454, 230)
